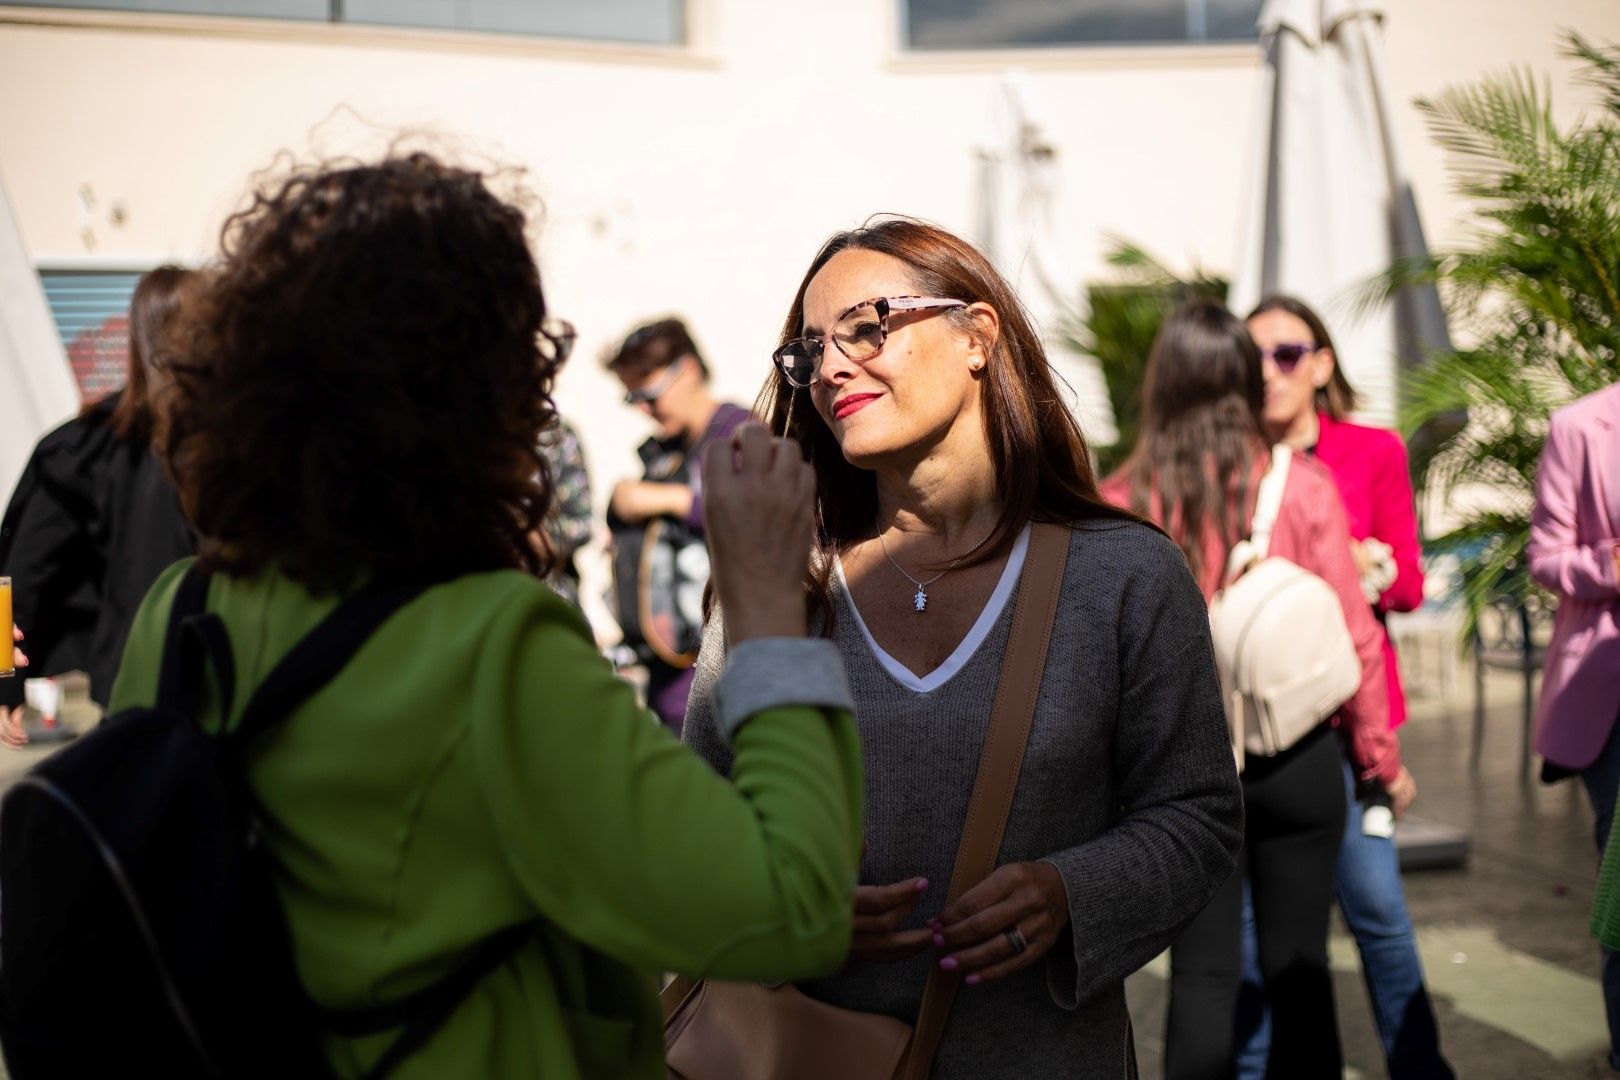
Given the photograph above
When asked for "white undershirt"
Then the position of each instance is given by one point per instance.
(970, 644)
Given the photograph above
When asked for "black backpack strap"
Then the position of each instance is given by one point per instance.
(424, 1012)
(320, 655)
(307, 667)
(193, 635)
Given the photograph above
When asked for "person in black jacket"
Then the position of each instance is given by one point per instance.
(94, 520)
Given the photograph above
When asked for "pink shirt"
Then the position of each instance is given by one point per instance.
(1313, 532)
(1369, 467)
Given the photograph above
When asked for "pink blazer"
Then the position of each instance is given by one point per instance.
(1573, 533)
(1369, 467)
(1312, 532)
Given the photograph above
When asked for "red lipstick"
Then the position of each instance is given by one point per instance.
(850, 404)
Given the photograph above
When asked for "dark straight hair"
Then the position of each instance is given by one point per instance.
(1338, 398)
(1042, 466)
(1193, 466)
(152, 309)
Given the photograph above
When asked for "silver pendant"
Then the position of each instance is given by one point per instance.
(920, 601)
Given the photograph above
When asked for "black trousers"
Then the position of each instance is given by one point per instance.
(1294, 811)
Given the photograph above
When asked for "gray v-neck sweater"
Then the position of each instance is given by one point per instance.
(1128, 789)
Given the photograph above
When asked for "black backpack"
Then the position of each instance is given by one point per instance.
(139, 924)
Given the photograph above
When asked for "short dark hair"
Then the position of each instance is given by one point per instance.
(654, 346)
(152, 310)
(363, 383)
(1338, 398)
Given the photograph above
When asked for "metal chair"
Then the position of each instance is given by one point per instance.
(1511, 634)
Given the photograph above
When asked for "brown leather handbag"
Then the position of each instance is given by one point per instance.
(717, 1030)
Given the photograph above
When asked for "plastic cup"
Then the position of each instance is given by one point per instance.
(7, 669)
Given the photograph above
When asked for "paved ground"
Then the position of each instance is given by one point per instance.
(1510, 965)
(1504, 941)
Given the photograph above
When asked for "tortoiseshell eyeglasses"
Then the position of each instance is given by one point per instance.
(858, 333)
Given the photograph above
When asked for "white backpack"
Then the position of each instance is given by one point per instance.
(1284, 653)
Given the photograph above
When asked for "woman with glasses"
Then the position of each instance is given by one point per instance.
(1307, 406)
(367, 380)
(1196, 468)
(660, 560)
(918, 389)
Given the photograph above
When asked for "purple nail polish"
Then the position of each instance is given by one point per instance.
(948, 964)
(922, 884)
(972, 980)
(939, 941)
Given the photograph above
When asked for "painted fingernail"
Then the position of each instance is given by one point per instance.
(948, 964)
(939, 941)
(973, 980)
(922, 884)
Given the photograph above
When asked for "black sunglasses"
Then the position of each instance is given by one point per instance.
(1288, 355)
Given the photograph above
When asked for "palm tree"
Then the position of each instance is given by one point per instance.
(1537, 292)
(1122, 318)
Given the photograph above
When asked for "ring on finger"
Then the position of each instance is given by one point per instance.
(1015, 938)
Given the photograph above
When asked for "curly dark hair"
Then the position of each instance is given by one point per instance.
(364, 382)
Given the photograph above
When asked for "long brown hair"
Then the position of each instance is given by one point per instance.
(1201, 432)
(1042, 467)
(1338, 398)
(152, 309)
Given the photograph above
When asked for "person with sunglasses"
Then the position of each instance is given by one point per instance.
(918, 389)
(1308, 402)
(1199, 459)
(660, 561)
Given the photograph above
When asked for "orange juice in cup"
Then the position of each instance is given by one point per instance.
(6, 668)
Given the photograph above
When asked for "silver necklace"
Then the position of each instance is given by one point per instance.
(920, 600)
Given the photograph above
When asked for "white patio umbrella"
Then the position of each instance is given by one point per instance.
(1018, 229)
(1329, 203)
(37, 390)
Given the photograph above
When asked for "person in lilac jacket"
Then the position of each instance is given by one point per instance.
(1308, 401)
(1575, 551)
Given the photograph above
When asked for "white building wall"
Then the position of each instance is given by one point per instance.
(697, 180)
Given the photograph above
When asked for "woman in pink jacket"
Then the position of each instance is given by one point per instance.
(1575, 552)
(1308, 402)
(1195, 470)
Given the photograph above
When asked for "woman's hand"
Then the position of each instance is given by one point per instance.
(1402, 792)
(879, 909)
(975, 932)
(12, 732)
(758, 498)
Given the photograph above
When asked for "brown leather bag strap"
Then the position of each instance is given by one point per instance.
(1034, 613)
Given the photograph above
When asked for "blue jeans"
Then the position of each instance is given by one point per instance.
(1368, 886)
(1602, 779)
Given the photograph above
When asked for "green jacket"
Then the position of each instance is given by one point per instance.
(477, 765)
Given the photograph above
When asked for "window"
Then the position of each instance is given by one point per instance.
(91, 310)
(1001, 24)
(648, 22)
(264, 9)
(652, 22)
